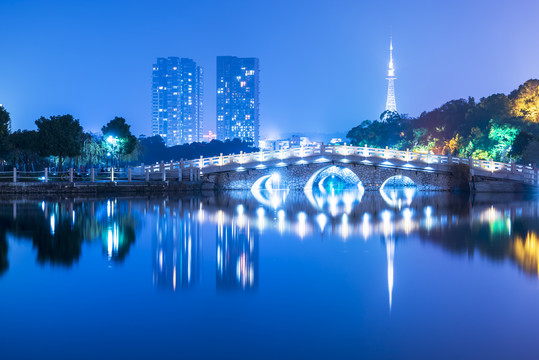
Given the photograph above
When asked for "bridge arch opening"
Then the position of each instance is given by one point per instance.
(333, 178)
(398, 191)
(270, 190)
(334, 189)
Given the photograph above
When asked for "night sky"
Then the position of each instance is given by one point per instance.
(323, 63)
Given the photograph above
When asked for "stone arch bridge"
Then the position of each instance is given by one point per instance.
(298, 168)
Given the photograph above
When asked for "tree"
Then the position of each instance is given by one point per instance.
(5, 124)
(59, 136)
(520, 143)
(388, 132)
(22, 145)
(530, 155)
(154, 149)
(502, 137)
(117, 135)
(526, 101)
(92, 149)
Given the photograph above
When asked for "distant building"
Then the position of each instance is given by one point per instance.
(283, 144)
(209, 136)
(177, 100)
(238, 98)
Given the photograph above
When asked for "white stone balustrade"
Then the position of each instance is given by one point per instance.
(382, 157)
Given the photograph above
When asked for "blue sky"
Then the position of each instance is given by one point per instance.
(322, 63)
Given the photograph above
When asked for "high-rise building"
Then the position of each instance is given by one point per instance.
(391, 104)
(238, 98)
(177, 100)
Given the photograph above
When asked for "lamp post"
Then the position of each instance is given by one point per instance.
(113, 142)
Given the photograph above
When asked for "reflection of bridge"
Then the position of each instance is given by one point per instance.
(372, 166)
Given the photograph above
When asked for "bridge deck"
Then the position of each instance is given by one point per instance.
(527, 174)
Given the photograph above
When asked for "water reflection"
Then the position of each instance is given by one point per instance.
(497, 229)
(176, 248)
(237, 255)
(4, 263)
(57, 230)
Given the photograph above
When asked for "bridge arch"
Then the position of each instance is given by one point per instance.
(323, 179)
(334, 189)
(398, 191)
(270, 190)
(399, 181)
(269, 182)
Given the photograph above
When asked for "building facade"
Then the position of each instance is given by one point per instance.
(177, 100)
(238, 98)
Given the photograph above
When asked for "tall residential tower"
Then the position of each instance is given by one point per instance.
(237, 98)
(391, 105)
(177, 100)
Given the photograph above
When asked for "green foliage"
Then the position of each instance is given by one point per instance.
(118, 128)
(4, 131)
(380, 133)
(521, 142)
(497, 127)
(502, 137)
(59, 136)
(92, 151)
(153, 149)
(23, 149)
(530, 155)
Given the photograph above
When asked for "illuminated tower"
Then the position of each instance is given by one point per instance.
(391, 105)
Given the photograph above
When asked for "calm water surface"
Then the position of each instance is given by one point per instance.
(270, 276)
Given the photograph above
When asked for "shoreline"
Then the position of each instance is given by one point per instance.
(196, 187)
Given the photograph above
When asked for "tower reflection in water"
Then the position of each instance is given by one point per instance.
(237, 253)
(176, 251)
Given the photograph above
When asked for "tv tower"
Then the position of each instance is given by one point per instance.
(391, 105)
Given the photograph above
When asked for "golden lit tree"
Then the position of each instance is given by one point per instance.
(526, 101)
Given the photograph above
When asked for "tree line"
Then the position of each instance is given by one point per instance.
(61, 141)
(500, 127)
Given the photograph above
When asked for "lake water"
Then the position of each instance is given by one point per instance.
(273, 275)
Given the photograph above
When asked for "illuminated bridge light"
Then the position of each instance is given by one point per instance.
(345, 230)
(366, 226)
(260, 212)
(322, 220)
(281, 220)
(428, 214)
(302, 227)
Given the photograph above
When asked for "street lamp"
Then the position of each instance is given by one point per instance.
(112, 141)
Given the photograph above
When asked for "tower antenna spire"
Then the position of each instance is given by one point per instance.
(391, 104)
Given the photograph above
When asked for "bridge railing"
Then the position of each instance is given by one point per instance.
(527, 173)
